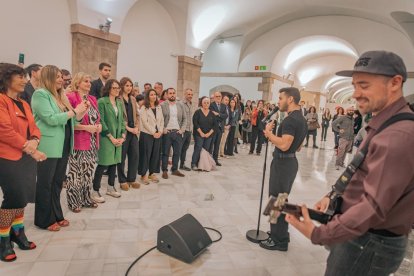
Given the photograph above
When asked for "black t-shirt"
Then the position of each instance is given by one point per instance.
(28, 93)
(294, 124)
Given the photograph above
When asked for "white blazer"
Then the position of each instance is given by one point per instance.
(148, 120)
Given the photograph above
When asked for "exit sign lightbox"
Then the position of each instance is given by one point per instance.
(260, 68)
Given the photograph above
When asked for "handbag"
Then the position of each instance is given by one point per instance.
(313, 125)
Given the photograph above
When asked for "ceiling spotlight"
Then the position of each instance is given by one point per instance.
(107, 26)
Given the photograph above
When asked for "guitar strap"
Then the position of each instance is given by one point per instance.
(339, 187)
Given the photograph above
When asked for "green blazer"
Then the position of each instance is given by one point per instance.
(51, 121)
(108, 154)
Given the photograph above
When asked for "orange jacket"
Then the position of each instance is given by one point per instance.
(13, 128)
(255, 114)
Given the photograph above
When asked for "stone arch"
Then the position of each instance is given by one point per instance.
(226, 90)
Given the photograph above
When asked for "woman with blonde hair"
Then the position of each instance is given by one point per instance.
(86, 143)
(55, 118)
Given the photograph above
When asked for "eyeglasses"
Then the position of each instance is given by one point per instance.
(217, 96)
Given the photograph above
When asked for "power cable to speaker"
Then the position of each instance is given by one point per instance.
(149, 250)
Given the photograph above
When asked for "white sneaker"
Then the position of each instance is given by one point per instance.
(96, 196)
(112, 192)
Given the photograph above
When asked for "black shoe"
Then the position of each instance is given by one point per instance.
(315, 147)
(286, 239)
(270, 244)
(218, 163)
(21, 240)
(257, 153)
(306, 145)
(236, 152)
(250, 152)
(185, 168)
(7, 253)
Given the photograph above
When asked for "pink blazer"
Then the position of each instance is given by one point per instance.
(82, 138)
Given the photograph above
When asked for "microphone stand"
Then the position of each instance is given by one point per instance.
(256, 235)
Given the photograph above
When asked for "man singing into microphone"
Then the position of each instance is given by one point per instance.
(290, 135)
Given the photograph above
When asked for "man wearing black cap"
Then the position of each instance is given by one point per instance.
(288, 140)
(369, 236)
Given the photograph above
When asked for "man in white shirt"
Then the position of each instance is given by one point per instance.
(175, 123)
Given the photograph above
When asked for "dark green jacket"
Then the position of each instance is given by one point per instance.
(108, 154)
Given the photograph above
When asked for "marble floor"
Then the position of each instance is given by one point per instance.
(104, 241)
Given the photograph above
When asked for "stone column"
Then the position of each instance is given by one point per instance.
(266, 87)
(91, 47)
(189, 77)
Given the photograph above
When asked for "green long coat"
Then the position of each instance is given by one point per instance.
(108, 154)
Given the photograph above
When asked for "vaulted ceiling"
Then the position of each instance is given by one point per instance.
(313, 58)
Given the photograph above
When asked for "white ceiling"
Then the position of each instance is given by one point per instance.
(206, 20)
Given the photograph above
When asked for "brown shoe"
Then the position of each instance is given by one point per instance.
(124, 186)
(153, 178)
(165, 174)
(145, 180)
(178, 173)
(134, 185)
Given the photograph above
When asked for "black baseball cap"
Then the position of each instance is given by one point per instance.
(378, 63)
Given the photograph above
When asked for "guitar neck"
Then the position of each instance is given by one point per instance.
(296, 210)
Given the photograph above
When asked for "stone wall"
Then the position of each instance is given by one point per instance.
(91, 47)
(189, 70)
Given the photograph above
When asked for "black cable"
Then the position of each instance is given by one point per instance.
(134, 262)
(149, 250)
(217, 231)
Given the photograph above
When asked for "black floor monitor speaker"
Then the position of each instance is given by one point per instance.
(184, 239)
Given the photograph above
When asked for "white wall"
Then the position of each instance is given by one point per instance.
(223, 57)
(246, 86)
(148, 39)
(40, 29)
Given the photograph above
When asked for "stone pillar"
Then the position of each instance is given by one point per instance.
(91, 47)
(189, 70)
(266, 87)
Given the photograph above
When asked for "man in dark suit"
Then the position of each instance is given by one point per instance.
(104, 75)
(34, 74)
(220, 111)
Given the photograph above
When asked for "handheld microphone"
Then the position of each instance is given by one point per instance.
(265, 119)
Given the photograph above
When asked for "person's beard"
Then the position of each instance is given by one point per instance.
(172, 99)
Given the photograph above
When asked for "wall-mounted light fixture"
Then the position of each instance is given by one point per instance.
(107, 26)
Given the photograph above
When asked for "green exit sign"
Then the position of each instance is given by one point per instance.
(260, 67)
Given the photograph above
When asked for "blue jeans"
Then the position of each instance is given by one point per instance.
(368, 255)
(199, 143)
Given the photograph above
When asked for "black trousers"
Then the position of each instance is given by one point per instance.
(230, 141)
(174, 139)
(111, 170)
(50, 176)
(247, 137)
(313, 133)
(149, 154)
(282, 175)
(324, 132)
(184, 148)
(215, 144)
(256, 134)
(130, 148)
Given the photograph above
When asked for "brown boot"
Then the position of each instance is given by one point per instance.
(134, 185)
(124, 186)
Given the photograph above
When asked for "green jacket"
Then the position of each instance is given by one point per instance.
(108, 154)
(51, 121)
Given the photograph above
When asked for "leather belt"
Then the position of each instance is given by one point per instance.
(281, 155)
(383, 232)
